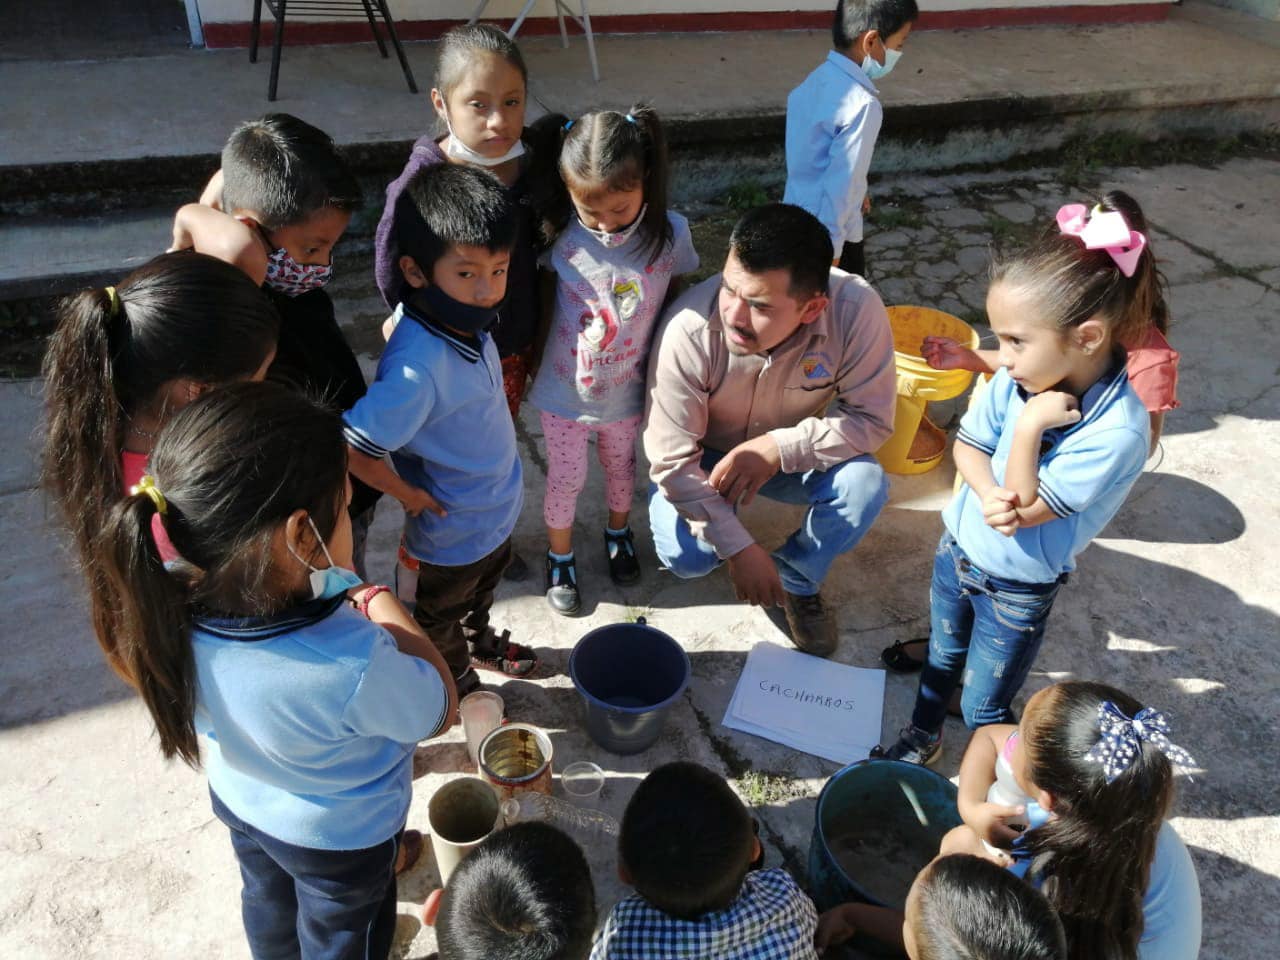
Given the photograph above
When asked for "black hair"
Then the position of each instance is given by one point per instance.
(454, 205)
(285, 170)
(524, 893)
(853, 18)
(599, 153)
(782, 236)
(1094, 856)
(1067, 283)
(179, 316)
(968, 908)
(686, 840)
(231, 467)
(1149, 299)
(459, 46)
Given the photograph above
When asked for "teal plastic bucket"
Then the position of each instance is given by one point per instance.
(878, 823)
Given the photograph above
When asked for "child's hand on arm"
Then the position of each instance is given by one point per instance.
(379, 475)
(839, 924)
(834, 927)
(1044, 411)
(1000, 510)
(211, 195)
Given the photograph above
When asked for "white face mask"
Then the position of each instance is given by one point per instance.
(333, 579)
(620, 237)
(460, 151)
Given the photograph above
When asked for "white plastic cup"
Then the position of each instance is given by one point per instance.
(582, 783)
(460, 815)
(481, 714)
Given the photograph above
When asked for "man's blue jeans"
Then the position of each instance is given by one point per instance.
(984, 630)
(843, 503)
(313, 904)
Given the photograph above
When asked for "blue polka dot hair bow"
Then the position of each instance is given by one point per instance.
(1122, 738)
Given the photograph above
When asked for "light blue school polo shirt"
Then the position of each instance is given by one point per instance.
(833, 120)
(438, 408)
(1086, 471)
(309, 720)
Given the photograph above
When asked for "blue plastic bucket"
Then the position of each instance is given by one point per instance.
(878, 823)
(628, 675)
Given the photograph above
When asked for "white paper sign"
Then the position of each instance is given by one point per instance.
(828, 709)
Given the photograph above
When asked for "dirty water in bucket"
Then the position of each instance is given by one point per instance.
(884, 854)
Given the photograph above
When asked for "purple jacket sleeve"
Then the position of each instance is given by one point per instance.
(386, 249)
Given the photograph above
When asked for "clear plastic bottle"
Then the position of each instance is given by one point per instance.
(583, 825)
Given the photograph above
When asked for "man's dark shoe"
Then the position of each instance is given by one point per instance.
(624, 568)
(812, 625)
(562, 587)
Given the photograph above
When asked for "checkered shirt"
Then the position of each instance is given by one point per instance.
(772, 919)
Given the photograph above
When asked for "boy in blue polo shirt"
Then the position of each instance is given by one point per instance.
(438, 408)
(834, 116)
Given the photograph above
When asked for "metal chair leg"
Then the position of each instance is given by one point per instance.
(479, 10)
(395, 42)
(591, 42)
(564, 34)
(524, 12)
(373, 25)
(257, 25)
(275, 49)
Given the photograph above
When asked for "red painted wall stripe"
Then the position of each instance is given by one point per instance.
(315, 32)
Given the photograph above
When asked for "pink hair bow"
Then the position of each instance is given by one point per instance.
(1107, 231)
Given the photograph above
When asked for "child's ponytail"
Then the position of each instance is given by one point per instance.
(151, 617)
(544, 140)
(1147, 306)
(1094, 855)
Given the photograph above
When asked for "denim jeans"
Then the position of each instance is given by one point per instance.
(303, 904)
(843, 503)
(983, 629)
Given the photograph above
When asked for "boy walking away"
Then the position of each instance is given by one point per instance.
(689, 848)
(276, 208)
(834, 117)
(438, 408)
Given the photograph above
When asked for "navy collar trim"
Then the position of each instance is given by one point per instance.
(466, 347)
(265, 628)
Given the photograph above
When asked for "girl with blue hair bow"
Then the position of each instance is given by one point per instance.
(1094, 771)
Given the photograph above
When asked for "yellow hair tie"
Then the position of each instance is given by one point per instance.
(148, 486)
(114, 297)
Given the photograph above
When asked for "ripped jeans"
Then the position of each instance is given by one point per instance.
(983, 631)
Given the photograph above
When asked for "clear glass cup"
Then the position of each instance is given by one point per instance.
(481, 715)
(582, 782)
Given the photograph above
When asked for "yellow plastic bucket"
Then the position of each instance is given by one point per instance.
(917, 445)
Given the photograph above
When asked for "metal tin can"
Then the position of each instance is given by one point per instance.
(516, 758)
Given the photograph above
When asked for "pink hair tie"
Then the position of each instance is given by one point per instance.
(1104, 230)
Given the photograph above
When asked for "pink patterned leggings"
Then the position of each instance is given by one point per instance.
(567, 465)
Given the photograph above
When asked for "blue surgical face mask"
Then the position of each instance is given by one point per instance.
(874, 69)
(333, 579)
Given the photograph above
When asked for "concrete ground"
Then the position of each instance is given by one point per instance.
(108, 852)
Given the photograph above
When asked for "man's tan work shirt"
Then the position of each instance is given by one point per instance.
(699, 395)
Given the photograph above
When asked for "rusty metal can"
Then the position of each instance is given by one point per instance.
(516, 758)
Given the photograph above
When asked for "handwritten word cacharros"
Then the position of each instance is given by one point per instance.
(805, 696)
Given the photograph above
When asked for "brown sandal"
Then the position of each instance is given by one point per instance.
(408, 851)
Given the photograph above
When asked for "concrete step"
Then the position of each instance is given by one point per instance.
(959, 97)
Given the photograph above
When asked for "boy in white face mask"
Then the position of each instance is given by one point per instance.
(834, 117)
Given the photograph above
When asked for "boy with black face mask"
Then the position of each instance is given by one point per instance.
(437, 407)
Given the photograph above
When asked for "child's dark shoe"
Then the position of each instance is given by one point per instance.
(499, 653)
(624, 568)
(562, 587)
(517, 570)
(914, 746)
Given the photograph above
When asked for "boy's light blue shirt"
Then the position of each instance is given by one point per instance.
(1085, 475)
(438, 408)
(309, 721)
(833, 119)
